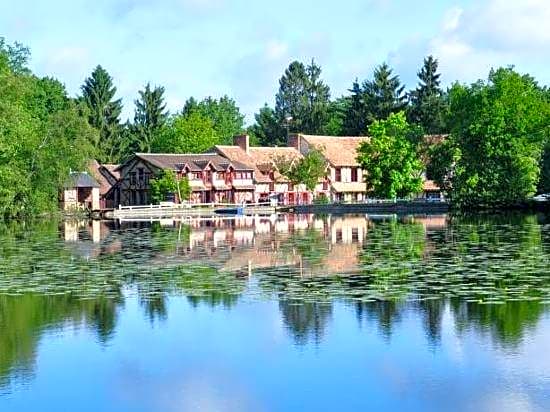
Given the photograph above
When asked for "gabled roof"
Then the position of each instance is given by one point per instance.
(195, 162)
(104, 174)
(260, 158)
(112, 169)
(80, 180)
(338, 150)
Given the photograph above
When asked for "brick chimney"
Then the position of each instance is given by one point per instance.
(293, 140)
(243, 141)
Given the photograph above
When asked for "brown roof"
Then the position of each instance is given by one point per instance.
(98, 173)
(258, 158)
(193, 161)
(112, 169)
(338, 150)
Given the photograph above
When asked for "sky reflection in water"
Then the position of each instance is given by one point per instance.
(286, 313)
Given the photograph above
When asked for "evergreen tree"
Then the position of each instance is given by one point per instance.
(304, 97)
(98, 94)
(355, 118)
(149, 118)
(336, 116)
(267, 130)
(383, 95)
(428, 106)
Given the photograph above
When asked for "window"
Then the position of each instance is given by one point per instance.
(133, 178)
(337, 175)
(354, 174)
(141, 175)
(355, 235)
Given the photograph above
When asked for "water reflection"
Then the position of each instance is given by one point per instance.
(490, 274)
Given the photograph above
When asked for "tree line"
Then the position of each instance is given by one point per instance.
(495, 147)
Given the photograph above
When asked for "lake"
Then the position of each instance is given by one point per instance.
(279, 313)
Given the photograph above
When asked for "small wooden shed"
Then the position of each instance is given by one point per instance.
(80, 192)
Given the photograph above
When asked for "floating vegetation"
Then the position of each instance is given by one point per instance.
(489, 261)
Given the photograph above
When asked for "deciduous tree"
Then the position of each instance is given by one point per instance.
(390, 158)
(498, 130)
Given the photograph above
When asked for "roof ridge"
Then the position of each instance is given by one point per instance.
(176, 154)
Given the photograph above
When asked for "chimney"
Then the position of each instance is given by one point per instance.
(293, 140)
(243, 141)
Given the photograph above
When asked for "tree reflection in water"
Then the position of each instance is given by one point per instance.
(305, 320)
(487, 273)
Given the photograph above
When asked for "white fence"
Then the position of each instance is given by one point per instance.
(170, 205)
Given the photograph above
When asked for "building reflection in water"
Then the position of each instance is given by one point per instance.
(281, 256)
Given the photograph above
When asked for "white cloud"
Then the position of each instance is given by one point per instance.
(496, 33)
(276, 50)
(451, 20)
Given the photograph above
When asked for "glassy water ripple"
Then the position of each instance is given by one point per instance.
(277, 313)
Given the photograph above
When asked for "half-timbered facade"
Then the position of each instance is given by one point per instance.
(212, 178)
(269, 183)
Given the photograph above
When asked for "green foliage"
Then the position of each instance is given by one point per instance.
(227, 120)
(303, 96)
(42, 137)
(355, 117)
(384, 94)
(390, 158)
(187, 133)
(498, 129)
(544, 181)
(428, 105)
(336, 115)
(267, 130)
(167, 183)
(374, 100)
(98, 94)
(308, 170)
(149, 118)
(16, 57)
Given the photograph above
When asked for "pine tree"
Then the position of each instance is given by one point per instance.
(355, 118)
(304, 97)
(267, 131)
(383, 95)
(98, 94)
(428, 105)
(149, 118)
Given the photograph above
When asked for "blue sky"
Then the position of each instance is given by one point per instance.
(240, 48)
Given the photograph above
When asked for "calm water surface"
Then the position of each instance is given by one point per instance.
(277, 314)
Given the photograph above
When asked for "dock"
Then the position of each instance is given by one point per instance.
(168, 210)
